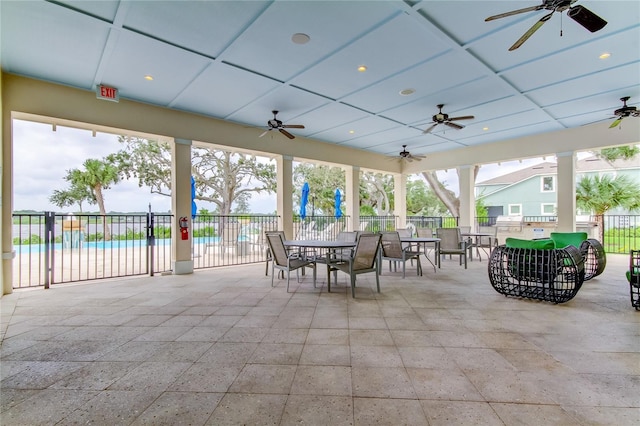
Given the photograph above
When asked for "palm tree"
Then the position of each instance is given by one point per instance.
(599, 194)
(97, 176)
(68, 197)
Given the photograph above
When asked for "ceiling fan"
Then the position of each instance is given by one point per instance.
(625, 111)
(407, 156)
(275, 124)
(442, 118)
(580, 14)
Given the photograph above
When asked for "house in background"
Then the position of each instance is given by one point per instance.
(532, 191)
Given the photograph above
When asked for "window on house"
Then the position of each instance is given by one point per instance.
(515, 209)
(548, 209)
(548, 184)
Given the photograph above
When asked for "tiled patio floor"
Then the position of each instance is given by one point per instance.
(222, 347)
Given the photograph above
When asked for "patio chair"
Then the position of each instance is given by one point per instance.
(470, 243)
(633, 275)
(536, 269)
(411, 228)
(330, 231)
(363, 259)
(393, 251)
(592, 251)
(229, 238)
(287, 262)
(426, 233)
(452, 243)
(486, 242)
(306, 231)
(349, 236)
(267, 254)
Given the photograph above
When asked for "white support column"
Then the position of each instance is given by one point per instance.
(400, 199)
(566, 191)
(467, 197)
(352, 196)
(182, 258)
(284, 167)
(6, 201)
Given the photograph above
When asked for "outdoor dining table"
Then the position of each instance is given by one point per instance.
(476, 237)
(329, 246)
(424, 241)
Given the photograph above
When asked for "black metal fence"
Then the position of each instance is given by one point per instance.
(433, 222)
(620, 233)
(55, 248)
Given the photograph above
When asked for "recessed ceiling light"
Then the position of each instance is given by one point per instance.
(407, 92)
(148, 77)
(605, 55)
(485, 128)
(352, 131)
(300, 38)
(362, 68)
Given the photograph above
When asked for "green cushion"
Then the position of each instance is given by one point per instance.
(543, 244)
(563, 239)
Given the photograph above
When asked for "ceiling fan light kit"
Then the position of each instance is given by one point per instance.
(625, 111)
(407, 156)
(442, 118)
(275, 124)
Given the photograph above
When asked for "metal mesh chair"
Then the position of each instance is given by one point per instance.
(286, 262)
(364, 259)
(393, 251)
(451, 242)
(553, 275)
(486, 242)
(268, 256)
(633, 275)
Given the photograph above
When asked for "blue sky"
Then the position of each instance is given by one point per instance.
(41, 158)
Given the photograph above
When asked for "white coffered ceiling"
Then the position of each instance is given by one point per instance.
(235, 60)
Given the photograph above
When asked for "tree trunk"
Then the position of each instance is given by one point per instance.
(103, 212)
(446, 196)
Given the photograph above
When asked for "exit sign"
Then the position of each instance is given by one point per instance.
(107, 93)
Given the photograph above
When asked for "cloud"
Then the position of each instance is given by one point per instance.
(42, 157)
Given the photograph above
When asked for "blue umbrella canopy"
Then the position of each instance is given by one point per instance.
(338, 201)
(194, 208)
(304, 199)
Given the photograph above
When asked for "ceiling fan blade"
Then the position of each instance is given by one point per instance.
(586, 18)
(264, 133)
(464, 117)
(454, 125)
(615, 123)
(530, 32)
(430, 128)
(287, 134)
(292, 126)
(514, 12)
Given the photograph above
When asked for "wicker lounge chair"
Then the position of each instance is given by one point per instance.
(536, 270)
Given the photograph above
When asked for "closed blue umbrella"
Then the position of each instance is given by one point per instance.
(304, 199)
(338, 201)
(194, 208)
